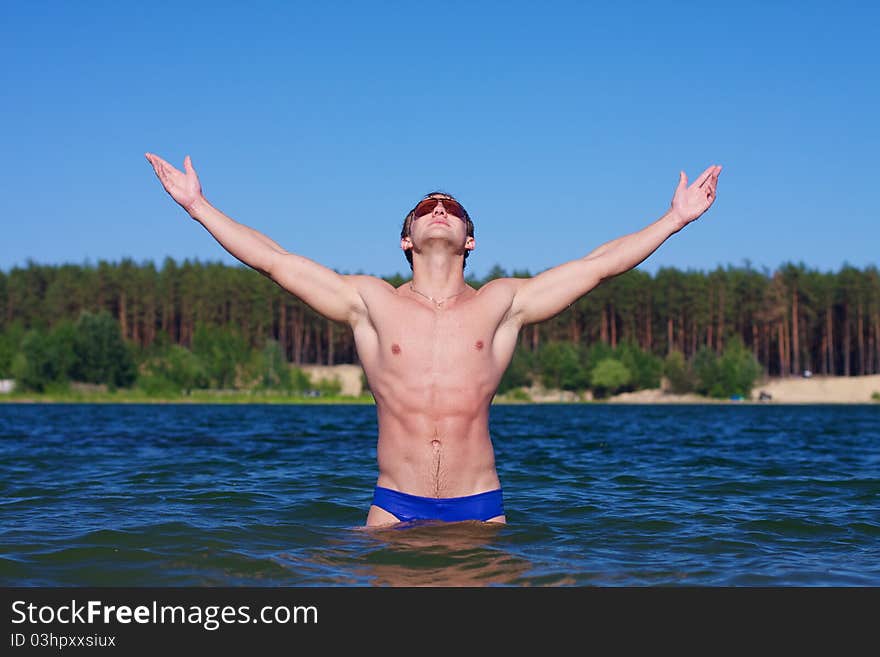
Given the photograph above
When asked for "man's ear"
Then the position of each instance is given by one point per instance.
(470, 244)
(406, 243)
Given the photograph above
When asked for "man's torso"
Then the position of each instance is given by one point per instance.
(433, 373)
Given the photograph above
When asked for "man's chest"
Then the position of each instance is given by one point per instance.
(409, 333)
(416, 334)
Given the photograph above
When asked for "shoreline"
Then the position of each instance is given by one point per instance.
(788, 390)
(705, 401)
(109, 398)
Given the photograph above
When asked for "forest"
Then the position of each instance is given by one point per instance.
(193, 324)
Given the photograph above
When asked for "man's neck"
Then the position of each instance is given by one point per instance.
(437, 275)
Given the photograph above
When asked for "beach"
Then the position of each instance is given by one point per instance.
(787, 390)
(783, 390)
(821, 389)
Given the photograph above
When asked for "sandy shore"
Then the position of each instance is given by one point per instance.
(349, 376)
(791, 390)
(819, 389)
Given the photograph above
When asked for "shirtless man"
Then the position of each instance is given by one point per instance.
(434, 349)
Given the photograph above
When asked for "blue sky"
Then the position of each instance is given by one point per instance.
(559, 126)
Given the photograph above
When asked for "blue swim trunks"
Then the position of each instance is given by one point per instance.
(406, 507)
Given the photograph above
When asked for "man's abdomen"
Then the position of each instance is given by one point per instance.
(436, 457)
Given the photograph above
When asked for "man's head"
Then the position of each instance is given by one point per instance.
(436, 206)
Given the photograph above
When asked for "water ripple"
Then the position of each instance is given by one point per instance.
(212, 495)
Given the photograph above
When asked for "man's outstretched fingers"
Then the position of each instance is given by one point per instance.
(706, 174)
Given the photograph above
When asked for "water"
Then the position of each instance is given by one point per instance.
(595, 495)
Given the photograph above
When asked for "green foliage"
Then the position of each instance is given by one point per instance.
(679, 373)
(34, 366)
(327, 387)
(177, 370)
(739, 368)
(299, 380)
(64, 340)
(46, 359)
(160, 345)
(609, 376)
(192, 293)
(561, 365)
(566, 366)
(645, 368)
(221, 351)
(732, 373)
(10, 342)
(705, 369)
(272, 370)
(518, 394)
(597, 352)
(519, 372)
(156, 385)
(497, 271)
(101, 353)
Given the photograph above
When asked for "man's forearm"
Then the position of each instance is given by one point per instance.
(624, 253)
(248, 245)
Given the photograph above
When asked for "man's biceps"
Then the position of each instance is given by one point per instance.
(524, 300)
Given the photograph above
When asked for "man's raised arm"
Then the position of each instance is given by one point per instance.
(552, 291)
(329, 293)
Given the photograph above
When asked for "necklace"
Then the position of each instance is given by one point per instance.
(452, 296)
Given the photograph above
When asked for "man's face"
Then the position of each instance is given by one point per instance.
(434, 219)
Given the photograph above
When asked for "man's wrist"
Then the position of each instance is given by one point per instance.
(197, 208)
(675, 220)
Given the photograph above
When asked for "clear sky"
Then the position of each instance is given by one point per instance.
(559, 125)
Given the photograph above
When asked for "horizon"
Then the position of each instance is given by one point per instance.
(159, 263)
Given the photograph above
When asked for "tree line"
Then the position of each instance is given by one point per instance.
(790, 320)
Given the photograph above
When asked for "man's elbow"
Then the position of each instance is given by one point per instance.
(595, 270)
(270, 264)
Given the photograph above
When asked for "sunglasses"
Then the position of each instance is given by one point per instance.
(451, 206)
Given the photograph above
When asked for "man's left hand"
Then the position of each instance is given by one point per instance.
(689, 203)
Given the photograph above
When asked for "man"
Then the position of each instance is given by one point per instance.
(434, 349)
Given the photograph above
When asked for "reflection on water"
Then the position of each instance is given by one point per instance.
(438, 554)
(419, 553)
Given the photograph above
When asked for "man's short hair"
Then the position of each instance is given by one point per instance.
(407, 224)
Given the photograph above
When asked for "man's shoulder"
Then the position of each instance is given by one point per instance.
(502, 286)
(499, 294)
(368, 282)
(377, 293)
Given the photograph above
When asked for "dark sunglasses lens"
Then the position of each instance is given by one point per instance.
(454, 208)
(427, 206)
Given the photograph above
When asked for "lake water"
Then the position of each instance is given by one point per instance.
(595, 495)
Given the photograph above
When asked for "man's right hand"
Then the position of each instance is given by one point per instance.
(182, 187)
